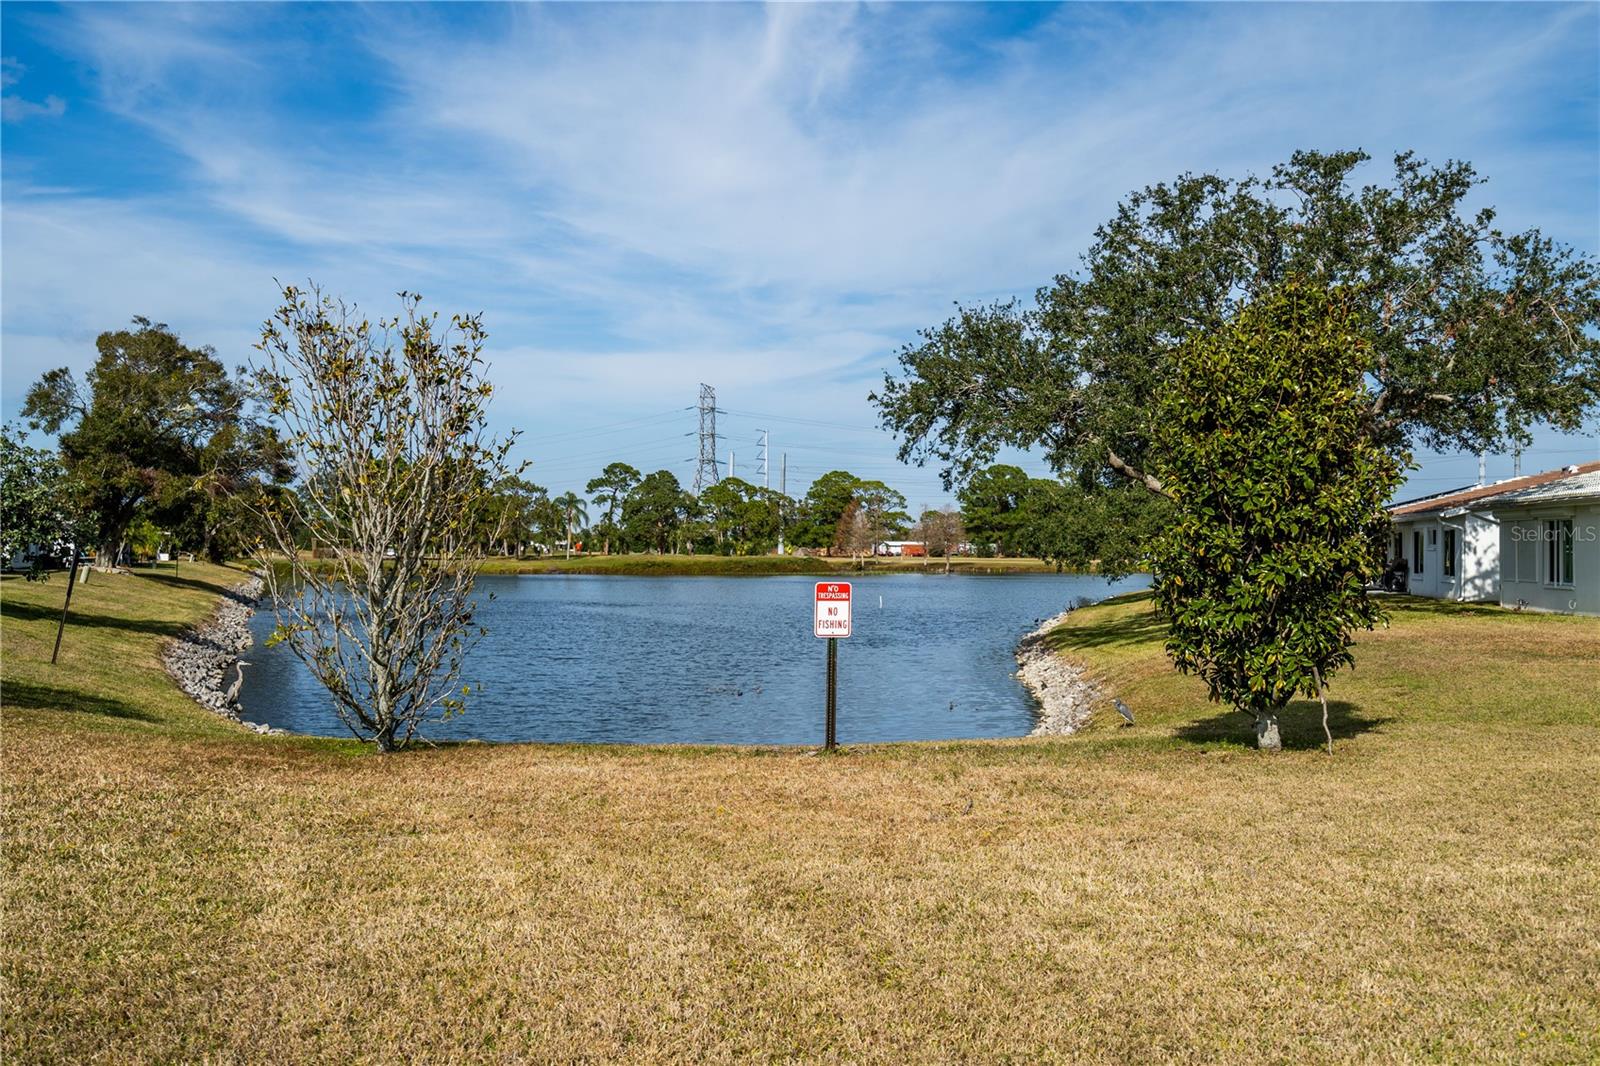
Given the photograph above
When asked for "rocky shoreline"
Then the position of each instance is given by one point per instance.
(204, 661)
(1066, 697)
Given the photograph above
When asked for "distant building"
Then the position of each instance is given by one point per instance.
(1531, 541)
(914, 548)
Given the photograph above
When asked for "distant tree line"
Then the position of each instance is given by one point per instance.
(630, 511)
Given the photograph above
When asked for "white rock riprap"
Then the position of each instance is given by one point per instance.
(204, 661)
(1066, 697)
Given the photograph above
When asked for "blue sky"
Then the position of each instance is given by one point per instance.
(772, 200)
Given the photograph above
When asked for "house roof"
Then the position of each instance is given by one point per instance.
(1550, 485)
(1585, 486)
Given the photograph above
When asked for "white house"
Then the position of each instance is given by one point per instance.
(1451, 551)
(1550, 544)
(1458, 545)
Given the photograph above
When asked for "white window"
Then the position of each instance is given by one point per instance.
(1433, 538)
(1526, 555)
(1449, 553)
(1416, 551)
(1558, 551)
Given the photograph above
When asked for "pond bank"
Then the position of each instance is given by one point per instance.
(1065, 695)
(201, 659)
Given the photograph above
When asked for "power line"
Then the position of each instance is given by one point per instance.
(806, 421)
(611, 450)
(592, 431)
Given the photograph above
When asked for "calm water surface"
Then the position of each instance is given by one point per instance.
(722, 660)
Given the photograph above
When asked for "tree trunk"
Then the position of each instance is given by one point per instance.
(1322, 694)
(385, 737)
(108, 548)
(1267, 738)
(111, 537)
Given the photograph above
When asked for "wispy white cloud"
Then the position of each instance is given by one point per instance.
(15, 108)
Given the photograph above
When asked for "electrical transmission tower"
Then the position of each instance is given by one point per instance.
(705, 473)
(762, 459)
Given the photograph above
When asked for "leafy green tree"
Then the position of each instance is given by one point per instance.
(140, 426)
(513, 517)
(991, 502)
(145, 538)
(824, 505)
(882, 511)
(771, 512)
(653, 512)
(210, 512)
(577, 513)
(817, 515)
(550, 522)
(1263, 442)
(390, 419)
(609, 490)
(724, 506)
(1472, 335)
(694, 531)
(744, 518)
(1106, 530)
(39, 504)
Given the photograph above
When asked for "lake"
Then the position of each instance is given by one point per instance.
(722, 660)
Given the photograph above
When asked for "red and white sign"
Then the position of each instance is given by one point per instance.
(832, 618)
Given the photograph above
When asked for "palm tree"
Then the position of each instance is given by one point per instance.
(571, 505)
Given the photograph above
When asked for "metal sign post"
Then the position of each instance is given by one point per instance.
(830, 737)
(830, 621)
(72, 574)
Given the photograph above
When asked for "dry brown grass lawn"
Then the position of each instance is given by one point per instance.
(177, 891)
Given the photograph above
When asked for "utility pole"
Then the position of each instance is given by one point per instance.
(705, 472)
(1516, 462)
(783, 490)
(731, 472)
(1482, 460)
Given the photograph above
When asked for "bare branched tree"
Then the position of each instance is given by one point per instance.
(378, 550)
(941, 533)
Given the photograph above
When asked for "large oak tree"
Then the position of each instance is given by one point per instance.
(153, 422)
(1473, 334)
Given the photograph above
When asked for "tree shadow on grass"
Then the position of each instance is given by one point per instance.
(33, 612)
(1141, 628)
(215, 588)
(54, 698)
(1446, 608)
(1300, 726)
